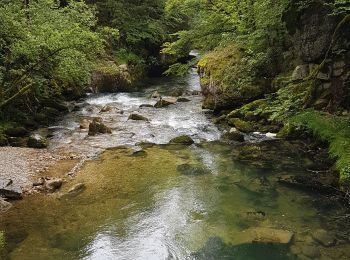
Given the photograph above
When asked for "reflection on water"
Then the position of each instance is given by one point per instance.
(142, 207)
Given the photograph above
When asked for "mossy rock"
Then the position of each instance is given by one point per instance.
(183, 139)
(137, 117)
(18, 141)
(16, 131)
(241, 125)
(3, 140)
(234, 135)
(37, 141)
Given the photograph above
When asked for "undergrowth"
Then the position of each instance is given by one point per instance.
(334, 130)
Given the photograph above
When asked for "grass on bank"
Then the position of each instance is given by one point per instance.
(334, 130)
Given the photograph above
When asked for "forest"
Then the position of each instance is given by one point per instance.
(259, 87)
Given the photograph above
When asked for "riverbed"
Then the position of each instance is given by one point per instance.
(145, 199)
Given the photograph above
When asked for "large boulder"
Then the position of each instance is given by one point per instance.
(110, 77)
(225, 80)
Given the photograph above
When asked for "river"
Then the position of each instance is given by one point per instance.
(145, 199)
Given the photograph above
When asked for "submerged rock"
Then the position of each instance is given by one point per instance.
(164, 102)
(324, 238)
(137, 117)
(106, 109)
(192, 169)
(182, 139)
(269, 235)
(310, 251)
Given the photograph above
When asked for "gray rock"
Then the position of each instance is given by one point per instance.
(53, 184)
(324, 238)
(155, 94)
(97, 127)
(106, 109)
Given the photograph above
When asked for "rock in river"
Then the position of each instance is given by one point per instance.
(234, 135)
(164, 102)
(183, 99)
(97, 127)
(4, 205)
(137, 117)
(182, 139)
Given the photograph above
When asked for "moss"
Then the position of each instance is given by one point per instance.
(241, 125)
(332, 129)
(2, 244)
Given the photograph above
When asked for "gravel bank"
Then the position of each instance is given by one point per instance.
(19, 167)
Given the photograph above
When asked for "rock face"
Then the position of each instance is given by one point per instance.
(97, 127)
(137, 117)
(183, 139)
(164, 102)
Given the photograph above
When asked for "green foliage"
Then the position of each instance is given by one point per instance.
(334, 130)
(46, 49)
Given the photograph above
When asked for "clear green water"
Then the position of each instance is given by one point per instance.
(150, 207)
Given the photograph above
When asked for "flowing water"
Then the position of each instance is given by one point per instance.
(158, 201)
